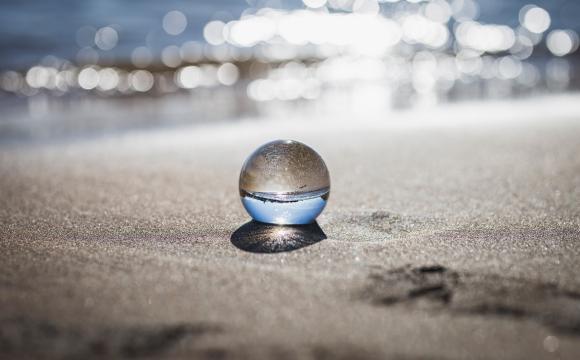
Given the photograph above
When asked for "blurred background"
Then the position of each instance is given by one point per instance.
(70, 68)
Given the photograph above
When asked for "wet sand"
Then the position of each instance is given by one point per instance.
(449, 233)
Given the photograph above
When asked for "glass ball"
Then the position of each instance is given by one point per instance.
(284, 182)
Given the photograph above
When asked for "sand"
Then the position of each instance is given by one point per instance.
(450, 233)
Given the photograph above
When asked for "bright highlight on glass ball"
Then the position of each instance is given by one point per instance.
(284, 182)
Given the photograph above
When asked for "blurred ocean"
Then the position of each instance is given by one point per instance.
(33, 29)
(70, 67)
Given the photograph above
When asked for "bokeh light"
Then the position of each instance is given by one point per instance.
(562, 42)
(174, 22)
(535, 19)
(407, 53)
(106, 38)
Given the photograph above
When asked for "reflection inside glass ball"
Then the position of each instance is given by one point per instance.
(284, 182)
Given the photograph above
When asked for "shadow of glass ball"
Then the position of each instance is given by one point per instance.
(259, 237)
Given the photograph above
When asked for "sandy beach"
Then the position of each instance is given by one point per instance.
(450, 233)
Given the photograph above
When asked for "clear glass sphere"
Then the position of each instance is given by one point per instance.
(284, 182)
